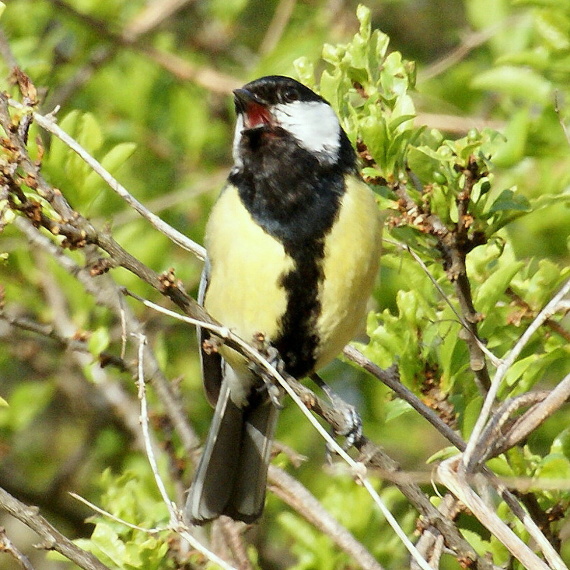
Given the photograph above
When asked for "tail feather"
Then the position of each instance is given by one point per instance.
(248, 496)
(232, 473)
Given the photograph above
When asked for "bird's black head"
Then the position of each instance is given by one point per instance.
(275, 110)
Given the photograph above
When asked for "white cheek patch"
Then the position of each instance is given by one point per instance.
(314, 124)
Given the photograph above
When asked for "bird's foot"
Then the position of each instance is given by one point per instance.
(274, 391)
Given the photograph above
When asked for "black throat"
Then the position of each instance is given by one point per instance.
(296, 199)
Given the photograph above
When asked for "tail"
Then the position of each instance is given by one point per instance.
(232, 474)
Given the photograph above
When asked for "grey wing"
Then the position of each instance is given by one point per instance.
(212, 363)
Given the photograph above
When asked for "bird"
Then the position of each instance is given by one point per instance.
(293, 247)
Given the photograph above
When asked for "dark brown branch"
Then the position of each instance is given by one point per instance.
(373, 457)
(391, 378)
(454, 245)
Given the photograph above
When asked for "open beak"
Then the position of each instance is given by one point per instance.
(254, 110)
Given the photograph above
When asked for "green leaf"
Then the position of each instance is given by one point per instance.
(519, 368)
(495, 285)
(500, 466)
(111, 163)
(26, 401)
(107, 545)
(516, 133)
(553, 27)
(517, 82)
(481, 546)
(554, 466)
(98, 341)
(424, 163)
(561, 443)
(509, 200)
(470, 415)
(443, 454)
(396, 408)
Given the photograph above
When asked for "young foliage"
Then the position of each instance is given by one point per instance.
(475, 246)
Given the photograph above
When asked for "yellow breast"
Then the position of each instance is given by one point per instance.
(352, 253)
(246, 264)
(245, 291)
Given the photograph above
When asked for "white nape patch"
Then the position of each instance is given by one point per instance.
(314, 124)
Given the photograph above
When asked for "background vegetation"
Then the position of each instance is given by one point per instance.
(469, 155)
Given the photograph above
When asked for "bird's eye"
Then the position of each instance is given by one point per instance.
(290, 95)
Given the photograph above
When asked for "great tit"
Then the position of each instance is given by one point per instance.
(293, 245)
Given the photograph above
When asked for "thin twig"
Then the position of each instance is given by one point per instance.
(534, 417)
(470, 457)
(559, 114)
(47, 122)
(444, 296)
(176, 520)
(51, 537)
(451, 474)
(103, 512)
(303, 502)
(7, 546)
(146, 431)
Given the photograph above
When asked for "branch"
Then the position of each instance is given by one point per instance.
(371, 455)
(52, 538)
(454, 245)
(495, 440)
(391, 378)
(473, 451)
(303, 502)
(209, 78)
(7, 546)
(107, 294)
(79, 232)
(47, 122)
(452, 474)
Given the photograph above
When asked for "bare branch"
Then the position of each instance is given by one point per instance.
(537, 414)
(254, 356)
(146, 431)
(52, 538)
(470, 457)
(7, 546)
(48, 123)
(391, 378)
(181, 68)
(451, 472)
(303, 502)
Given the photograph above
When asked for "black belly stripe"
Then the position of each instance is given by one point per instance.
(296, 200)
(299, 340)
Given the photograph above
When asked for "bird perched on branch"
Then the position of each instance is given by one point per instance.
(293, 245)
